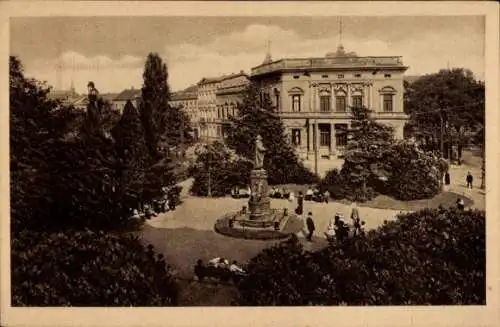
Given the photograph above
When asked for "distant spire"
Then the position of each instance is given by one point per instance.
(268, 58)
(340, 32)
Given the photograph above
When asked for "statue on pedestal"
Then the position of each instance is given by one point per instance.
(260, 151)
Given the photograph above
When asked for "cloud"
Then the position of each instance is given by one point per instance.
(237, 50)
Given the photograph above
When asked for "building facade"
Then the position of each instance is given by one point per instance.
(313, 96)
(188, 100)
(119, 101)
(228, 96)
(217, 98)
(207, 108)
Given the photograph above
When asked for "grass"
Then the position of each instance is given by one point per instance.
(445, 199)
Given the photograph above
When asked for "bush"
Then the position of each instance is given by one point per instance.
(87, 268)
(340, 187)
(430, 257)
(415, 174)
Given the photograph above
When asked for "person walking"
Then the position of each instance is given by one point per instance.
(300, 204)
(326, 196)
(447, 179)
(469, 180)
(310, 226)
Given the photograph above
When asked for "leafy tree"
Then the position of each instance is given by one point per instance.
(86, 268)
(414, 174)
(366, 152)
(456, 96)
(132, 156)
(64, 180)
(218, 166)
(154, 113)
(256, 117)
(179, 129)
(429, 257)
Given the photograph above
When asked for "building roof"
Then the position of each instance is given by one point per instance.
(129, 94)
(208, 80)
(333, 60)
(60, 94)
(187, 94)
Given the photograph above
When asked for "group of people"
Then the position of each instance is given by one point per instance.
(469, 179)
(219, 268)
(337, 228)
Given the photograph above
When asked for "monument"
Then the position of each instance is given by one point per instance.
(260, 221)
(259, 203)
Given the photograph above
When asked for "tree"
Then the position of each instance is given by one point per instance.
(414, 174)
(217, 170)
(256, 117)
(64, 182)
(154, 108)
(179, 133)
(132, 156)
(366, 151)
(453, 97)
(154, 114)
(429, 257)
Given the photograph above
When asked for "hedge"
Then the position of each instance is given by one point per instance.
(85, 268)
(430, 257)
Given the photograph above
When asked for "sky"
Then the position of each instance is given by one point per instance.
(111, 51)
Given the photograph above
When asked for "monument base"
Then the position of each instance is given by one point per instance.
(259, 204)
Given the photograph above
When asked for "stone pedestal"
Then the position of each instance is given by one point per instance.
(259, 204)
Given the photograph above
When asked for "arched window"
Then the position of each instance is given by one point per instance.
(340, 101)
(357, 98)
(296, 94)
(387, 98)
(325, 100)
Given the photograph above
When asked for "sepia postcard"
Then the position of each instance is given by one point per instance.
(173, 163)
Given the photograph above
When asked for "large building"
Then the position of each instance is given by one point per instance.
(217, 97)
(313, 96)
(228, 96)
(188, 100)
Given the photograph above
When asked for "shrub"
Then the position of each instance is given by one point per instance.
(434, 257)
(87, 268)
(415, 174)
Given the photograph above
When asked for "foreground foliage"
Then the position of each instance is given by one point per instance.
(433, 257)
(85, 268)
(69, 176)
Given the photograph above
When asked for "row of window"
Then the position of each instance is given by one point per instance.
(223, 113)
(341, 103)
(324, 135)
(343, 76)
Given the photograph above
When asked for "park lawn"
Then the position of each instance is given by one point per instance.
(445, 199)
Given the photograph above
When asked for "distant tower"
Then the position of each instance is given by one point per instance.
(72, 88)
(268, 58)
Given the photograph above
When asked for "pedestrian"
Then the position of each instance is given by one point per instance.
(447, 178)
(354, 211)
(300, 204)
(460, 204)
(310, 226)
(326, 196)
(469, 180)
